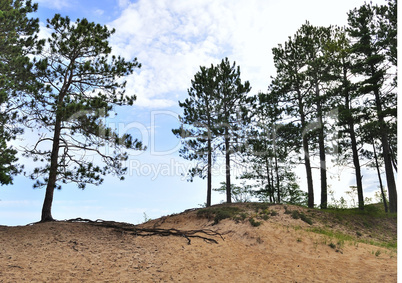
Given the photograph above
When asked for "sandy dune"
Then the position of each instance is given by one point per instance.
(279, 250)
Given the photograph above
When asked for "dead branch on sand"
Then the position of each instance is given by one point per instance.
(132, 229)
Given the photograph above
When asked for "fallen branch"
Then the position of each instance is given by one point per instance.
(204, 234)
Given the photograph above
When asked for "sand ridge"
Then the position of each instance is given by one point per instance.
(279, 250)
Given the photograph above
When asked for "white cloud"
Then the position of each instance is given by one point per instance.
(171, 41)
(56, 4)
(173, 38)
(123, 3)
(99, 12)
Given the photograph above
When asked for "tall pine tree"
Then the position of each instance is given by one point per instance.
(290, 85)
(373, 51)
(234, 113)
(197, 125)
(82, 87)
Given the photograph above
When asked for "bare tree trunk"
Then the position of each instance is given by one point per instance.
(278, 190)
(209, 173)
(355, 153)
(323, 163)
(356, 163)
(389, 174)
(380, 179)
(393, 159)
(51, 185)
(387, 156)
(227, 156)
(209, 169)
(310, 192)
(310, 188)
(269, 180)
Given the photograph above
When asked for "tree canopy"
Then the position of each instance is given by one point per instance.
(17, 40)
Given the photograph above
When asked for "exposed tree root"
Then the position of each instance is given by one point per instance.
(205, 234)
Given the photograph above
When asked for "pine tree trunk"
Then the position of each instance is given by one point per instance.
(209, 173)
(272, 192)
(389, 174)
(307, 164)
(51, 185)
(380, 179)
(227, 156)
(310, 189)
(356, 163)
(278, 190)
(393, 159)
(387, 156)
(268, 179)
(355, 153)
(321, 145)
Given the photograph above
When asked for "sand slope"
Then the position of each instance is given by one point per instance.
(280, 250)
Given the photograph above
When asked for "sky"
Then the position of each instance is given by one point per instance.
(171, 39)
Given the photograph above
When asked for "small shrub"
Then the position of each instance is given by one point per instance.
(305, 218)
(332, 245)
(206, 213)
(274, 213)
(265, 217)
(221, 214)
(218, 213)
(295, 214)
(358, 233)
(254, 223)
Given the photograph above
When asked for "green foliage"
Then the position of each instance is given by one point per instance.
(306, 219)
(295, 214)
(218, 213)
(17, 41)
(259, 206)
(254, 223)
(84, 86)
(240, 193)
(299, 215)
(265, 217)
(370, 210)
(332, 245)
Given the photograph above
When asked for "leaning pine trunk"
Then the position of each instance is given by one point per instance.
(47, 204)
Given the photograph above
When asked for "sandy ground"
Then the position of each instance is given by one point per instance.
(277, 251)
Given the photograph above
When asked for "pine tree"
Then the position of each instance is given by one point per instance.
(294, 97)
(82, 87)
(313, 40)
(197, 125)
(345, 97)
(213, 118)
(233, 115)
(373, 56)
(268, 156)
(18, 39)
